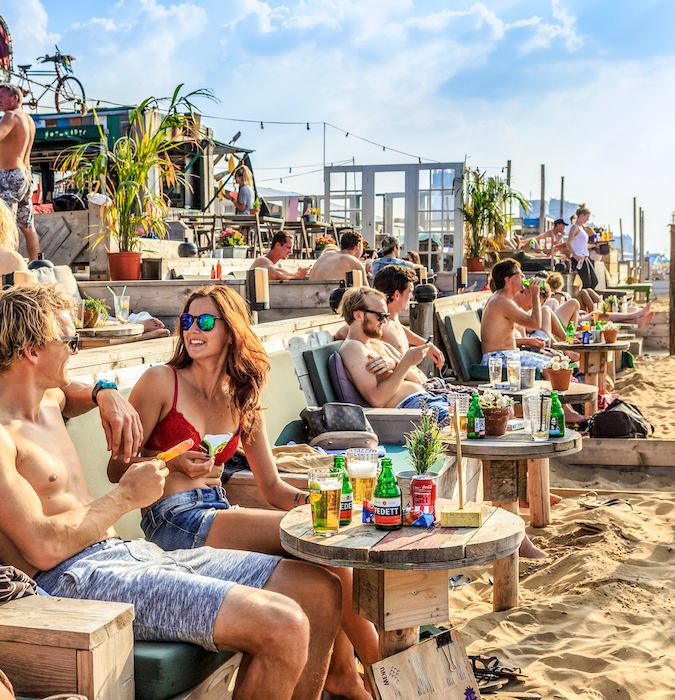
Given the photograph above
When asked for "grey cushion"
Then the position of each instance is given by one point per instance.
(342, 382)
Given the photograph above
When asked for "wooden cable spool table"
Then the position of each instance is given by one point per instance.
(109, 334)
(586, 394)
(512, 459)
(594, 359)
(401, 577)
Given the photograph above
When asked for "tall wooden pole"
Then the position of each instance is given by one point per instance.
(621, 239)
(562, 197)
(671, 288)
(508, 184)
(642, 244)
(542, 201)
(634, 235)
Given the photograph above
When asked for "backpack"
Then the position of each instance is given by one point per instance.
(620, 420)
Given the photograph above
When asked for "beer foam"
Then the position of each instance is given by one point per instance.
(361, 469)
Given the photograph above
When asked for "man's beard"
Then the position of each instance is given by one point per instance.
(373, 331)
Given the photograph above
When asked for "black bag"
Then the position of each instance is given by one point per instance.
(338, 426)
(620, 420)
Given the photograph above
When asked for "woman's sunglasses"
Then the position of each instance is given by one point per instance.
(71, 341)
(205, 322)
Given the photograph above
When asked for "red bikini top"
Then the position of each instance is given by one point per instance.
(175, 427)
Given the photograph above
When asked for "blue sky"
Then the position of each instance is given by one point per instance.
(583, 86)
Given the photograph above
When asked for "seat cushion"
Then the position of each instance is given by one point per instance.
(342, 382)
(164, 669)
(464, 333)
(316, 360)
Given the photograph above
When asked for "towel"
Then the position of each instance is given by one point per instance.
(15, 584)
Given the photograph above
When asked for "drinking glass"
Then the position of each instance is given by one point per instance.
(122, 308)
(513, 373)
(495, 365)
(461, 400)
(539, 410)
(362, 469)
(78, 313)
(325, 489)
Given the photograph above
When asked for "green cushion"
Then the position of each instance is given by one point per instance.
(316, 360)
(464, 333)
(164, 669)
(295, 431)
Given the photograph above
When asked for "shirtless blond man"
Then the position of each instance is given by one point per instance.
(283, 615)
(334, 266)
(280, 249)
(17, 133)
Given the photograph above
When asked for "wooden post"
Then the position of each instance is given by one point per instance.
(642, 244)
(542, 202)
(508, 184)
(538, 492)
(634, 236)
(621, 241)
(562, 196)
(671, 285)
(505, 589)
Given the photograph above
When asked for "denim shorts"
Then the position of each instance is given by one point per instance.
(183, 520)
(176, 595)
(433, 401)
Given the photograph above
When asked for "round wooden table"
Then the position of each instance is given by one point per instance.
(401, 577)
(577, 393)
(515, 465)
(595, 358)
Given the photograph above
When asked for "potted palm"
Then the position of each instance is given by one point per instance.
(486, 220)
(232, 244)
(95, 311)
(132, 174)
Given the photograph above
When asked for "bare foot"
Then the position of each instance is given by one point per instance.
(350, 686)
(645, 320)
(529, 551)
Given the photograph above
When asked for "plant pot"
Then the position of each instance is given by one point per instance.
(559, 378)
(218, 253)
(610, 335)
(404, 478)
(90, 318)
(496, 420)
(124, 266)
(423, 492)
(234, 251)
(475, 264)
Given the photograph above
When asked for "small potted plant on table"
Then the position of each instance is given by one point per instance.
(559, 373)
(95, 312)
(232, 244)
(610, 332)
(321, 242)
(497, 410)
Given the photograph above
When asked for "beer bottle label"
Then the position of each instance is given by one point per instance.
(346, 506)
(479, 426)
(554, 430)
(388, 511)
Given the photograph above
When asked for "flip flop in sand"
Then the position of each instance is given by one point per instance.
(490, 668)
(591, 500)
(458, 581)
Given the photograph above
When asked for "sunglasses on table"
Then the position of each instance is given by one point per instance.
(381, 315)
(205, 322)
(71, 341)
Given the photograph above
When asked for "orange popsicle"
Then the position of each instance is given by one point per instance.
(176, 450)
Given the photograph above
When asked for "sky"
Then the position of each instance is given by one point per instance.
(584, 87)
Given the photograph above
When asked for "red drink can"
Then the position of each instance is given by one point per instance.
(423, 493)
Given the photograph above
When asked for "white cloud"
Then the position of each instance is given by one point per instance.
(28, 25)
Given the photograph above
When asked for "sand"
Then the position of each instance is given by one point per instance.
(651, 387)
(595, 619)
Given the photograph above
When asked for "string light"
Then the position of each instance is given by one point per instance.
(307, 126)
(262, 126)
(346, 134)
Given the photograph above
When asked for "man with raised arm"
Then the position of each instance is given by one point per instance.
(280, 249)
(17, 133)
(334, 266)
(282, 614)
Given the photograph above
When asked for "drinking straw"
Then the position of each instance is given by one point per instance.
(111, 291)
(124, 291)
(458, 455)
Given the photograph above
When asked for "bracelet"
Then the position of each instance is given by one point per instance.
(101, 384)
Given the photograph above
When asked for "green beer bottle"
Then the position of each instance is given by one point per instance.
(570, 332)
(557, 424)
(346, 497)
(387, 499)
(475, 419)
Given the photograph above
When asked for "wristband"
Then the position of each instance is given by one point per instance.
(101, 384)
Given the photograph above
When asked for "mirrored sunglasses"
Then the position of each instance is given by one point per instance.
(205, 322)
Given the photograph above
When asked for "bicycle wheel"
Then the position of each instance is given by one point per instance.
(69, 95)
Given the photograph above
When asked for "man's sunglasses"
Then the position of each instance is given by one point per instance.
(205, 322)
(71, 341)
(381, 315)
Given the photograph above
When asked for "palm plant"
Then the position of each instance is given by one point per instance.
(485, 211)
(135, 172)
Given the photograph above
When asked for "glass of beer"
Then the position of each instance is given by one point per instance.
(462, 401)
(362, 470)
(325, 488)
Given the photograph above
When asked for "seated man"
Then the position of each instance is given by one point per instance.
(501, 315)
(389, 254)
(280, 249)
(282, 614)
(336, 265)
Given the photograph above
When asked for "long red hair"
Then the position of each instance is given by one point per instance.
(246, 364)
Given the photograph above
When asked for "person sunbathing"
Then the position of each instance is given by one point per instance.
(282, 614)
(212, 386)
(336, 265)
(281, 248)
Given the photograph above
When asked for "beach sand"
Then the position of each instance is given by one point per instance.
(595, 619)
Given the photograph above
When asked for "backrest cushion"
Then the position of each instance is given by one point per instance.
(316, 360)
(464, 332)
(342, 382)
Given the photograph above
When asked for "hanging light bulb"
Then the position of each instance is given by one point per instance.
(281, 180)
(290, 170)
(262, 126)
(384, 148)
(346, 134)
(307, 126)
(419, 160)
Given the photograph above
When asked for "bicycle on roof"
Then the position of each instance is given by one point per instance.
(68, 91)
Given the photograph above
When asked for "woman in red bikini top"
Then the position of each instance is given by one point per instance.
(212, 385)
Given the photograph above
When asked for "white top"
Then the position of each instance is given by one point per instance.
(579, 244)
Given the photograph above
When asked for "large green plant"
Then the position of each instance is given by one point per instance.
(486, 200)
(135, 172)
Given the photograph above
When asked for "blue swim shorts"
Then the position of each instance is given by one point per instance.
(439, 403)
(183, 520)
(176, 595)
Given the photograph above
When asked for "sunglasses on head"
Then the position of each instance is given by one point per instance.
(71, 341)
(381, 315)
(205, 322)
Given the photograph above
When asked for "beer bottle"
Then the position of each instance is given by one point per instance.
(346, 497)
(387, 499)
(475, 419)
(570, 332)
(557, 424)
